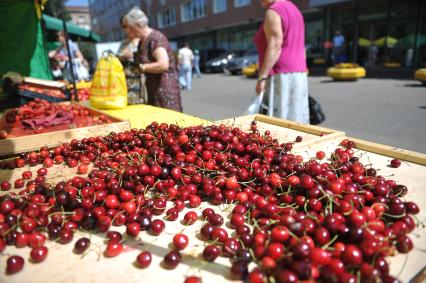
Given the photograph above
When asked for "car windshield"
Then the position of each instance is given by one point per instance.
(225, 56)
(251, 52)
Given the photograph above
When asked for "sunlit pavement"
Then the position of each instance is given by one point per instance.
(387, 111)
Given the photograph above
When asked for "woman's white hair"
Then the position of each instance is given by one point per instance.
(136, 17)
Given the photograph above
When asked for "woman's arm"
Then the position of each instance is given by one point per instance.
(274, 38)
(161, 63)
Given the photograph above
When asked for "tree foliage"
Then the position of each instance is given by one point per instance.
(56, 8)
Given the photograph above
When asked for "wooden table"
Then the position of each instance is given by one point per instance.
(62, 265)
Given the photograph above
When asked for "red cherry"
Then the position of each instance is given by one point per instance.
(144, 259)
(280, 234)
(193, 279)
(320, 155)
(352, 255)
(81, 245)
(133, 229)
(190, 217)
(211, 252)
(275, 250)
(157, 226)
(232, 183)
(14, 264)
(113, 249)
(82, 169)
(395, 163)
(38, 254)
(180, 241)
(172, 259)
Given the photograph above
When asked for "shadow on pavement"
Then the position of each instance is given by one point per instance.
(415, 85)
(372, 73)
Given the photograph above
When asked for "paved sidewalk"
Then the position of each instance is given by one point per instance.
(386, 111)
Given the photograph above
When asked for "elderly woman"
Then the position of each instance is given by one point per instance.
(282, 61)
(155, 60)
(126, 54)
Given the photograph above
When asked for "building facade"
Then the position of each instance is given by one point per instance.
(208, 24)
(80, 16)
(106, 16)
(231, 24)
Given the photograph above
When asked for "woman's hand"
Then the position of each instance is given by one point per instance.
(260, 86)
(126, 54)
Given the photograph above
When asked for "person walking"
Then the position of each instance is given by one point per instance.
(339, 48)
(185, 58)
(155, 60)
(196, 63)
(280, 42)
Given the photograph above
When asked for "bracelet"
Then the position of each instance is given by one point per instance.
(262, 79)
(142, 67)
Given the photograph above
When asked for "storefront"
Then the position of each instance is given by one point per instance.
(231, 38)
(394, 30)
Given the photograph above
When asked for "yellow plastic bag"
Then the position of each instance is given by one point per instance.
(109, 89)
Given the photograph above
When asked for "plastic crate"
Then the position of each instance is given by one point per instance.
(30, 95)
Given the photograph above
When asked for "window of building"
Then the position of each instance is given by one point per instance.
(193, 9)
(166, 18)
(219, 6)
(241, 3)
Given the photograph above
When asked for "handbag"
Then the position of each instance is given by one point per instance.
(316, 114)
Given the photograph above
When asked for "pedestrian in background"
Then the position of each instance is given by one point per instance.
(126, 54)
(79, 64)
(339, 55)
(156, 61)
(196, 63)
(280, 42)
(185, 58)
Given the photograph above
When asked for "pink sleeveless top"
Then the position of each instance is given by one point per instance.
(293, 57)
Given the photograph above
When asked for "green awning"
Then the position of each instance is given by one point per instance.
(56, 24)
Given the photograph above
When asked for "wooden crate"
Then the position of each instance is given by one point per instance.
(285, 130)
(62, 265)
(16, 145)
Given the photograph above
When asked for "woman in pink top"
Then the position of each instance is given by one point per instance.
(282, 61)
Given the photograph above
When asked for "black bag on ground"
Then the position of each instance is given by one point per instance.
(316, 115)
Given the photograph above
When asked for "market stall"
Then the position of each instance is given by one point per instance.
(170, 245)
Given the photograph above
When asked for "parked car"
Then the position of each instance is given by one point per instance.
(208, 54)
(236, 65)
(217, 65)
(250, 71)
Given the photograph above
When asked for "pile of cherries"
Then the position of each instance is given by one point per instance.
(39, 108)
(324, 220)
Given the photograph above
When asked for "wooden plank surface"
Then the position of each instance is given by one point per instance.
(390, 151)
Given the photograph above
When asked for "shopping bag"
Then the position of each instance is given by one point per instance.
(255, 106)
(316, 115)
(80, 71)
(109, 89)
